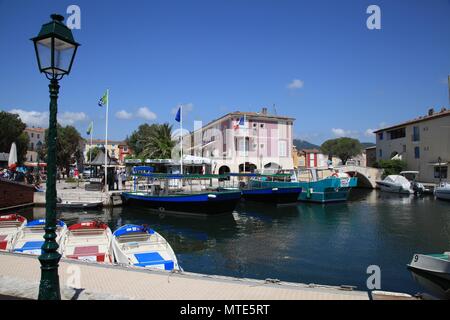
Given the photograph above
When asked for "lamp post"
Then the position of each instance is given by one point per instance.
(55, 51)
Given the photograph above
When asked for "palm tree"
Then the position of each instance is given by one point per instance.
(158, 144)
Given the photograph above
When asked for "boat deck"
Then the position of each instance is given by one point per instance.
(109, 282)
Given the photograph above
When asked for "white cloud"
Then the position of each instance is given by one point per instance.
(32, 118)
(187, 107)
(69, 118)
(338, 132)
(145, 114)
(296, 84)
(369, 133)
(124, 115)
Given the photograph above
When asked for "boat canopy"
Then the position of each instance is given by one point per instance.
(41, 222)
(132, 228)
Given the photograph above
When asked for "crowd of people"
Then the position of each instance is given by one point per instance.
(21, 174)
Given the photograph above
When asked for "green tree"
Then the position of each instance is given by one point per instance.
(343, 148)
(12, 130)
(152, 141)
(394, 166)
(92, 153)
(68, 147)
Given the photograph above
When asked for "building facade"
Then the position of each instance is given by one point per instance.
(423, 143)
(243, 142)
(116, 149)
(37, 139)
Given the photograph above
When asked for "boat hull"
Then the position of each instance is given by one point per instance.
(203, 203)
(442, 193)
(79, 205)
(276, 195)
(437, 264)
(393, 188)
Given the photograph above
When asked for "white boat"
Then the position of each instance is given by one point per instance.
(31, 237)
(10, 225)
(395, 184)
(88, 241)
(143, 247)
(442, 191)
(437, 264)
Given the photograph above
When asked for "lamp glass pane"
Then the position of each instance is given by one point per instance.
(63, 56)
(45, 54)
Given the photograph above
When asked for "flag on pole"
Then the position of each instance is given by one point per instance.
(241, 122)
(104, 99)
(89, 129)
(178, 116)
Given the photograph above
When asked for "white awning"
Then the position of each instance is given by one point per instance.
(438, 164)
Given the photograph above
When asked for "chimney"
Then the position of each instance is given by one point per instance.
(430, 111)
(264, 111)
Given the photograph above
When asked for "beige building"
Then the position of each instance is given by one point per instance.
(244, 141)
(37, 137)
(424, 143)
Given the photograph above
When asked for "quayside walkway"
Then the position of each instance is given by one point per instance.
(20, 274)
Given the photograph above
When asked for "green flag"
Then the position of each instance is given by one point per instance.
(103, 100)
(89, 129)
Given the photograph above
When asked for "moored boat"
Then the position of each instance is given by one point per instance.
(141, 246)
(395, 184)
(276, 195)
(436, 264)
(88, 241)
(331, 189)
(31, 237)
(78, 205)
(442, 191)
(10, 225)
(206, 203)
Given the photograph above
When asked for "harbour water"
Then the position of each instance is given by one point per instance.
(329, 244)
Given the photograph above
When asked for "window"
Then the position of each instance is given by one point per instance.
(380, 153)
(380, 135)
(440, 172)
(416, 134)
(125, 149)
(32, 135)
(254, 125)
(397, 133)
(31, 146)
(262, 125)
(416, 152)
(282, 148)
(38, 136)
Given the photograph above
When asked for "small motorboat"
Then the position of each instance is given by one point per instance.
(88, 241)
(141, 246)
(78, 205)
(442, 191)
(10, 225)
(31, 237)
(436, 264)
(395, 184)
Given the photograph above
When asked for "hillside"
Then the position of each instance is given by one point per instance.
(303, 144)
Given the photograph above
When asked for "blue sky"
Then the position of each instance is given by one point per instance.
(222, 56)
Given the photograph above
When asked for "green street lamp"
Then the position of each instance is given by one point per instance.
(55, 51)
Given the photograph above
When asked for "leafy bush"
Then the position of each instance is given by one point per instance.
(391, 166)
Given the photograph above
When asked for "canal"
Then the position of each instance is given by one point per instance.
(310, 243)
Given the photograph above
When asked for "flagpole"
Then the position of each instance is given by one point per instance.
(106, 141)
(90, 153)
(245, 144)
(181, 128)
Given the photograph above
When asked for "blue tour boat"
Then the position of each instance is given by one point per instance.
(181, 202)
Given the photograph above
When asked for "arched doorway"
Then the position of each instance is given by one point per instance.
(249, 167)
(223, 170)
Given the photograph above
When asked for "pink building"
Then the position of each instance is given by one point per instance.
(244, 141)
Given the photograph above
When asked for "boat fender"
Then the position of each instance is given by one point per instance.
(212, 196)
(274, 189)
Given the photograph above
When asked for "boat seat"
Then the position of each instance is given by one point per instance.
(30, 245)
(85, 250)
(152, 258)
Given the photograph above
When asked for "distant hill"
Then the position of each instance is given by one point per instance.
(303, 144)
(368, 144)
